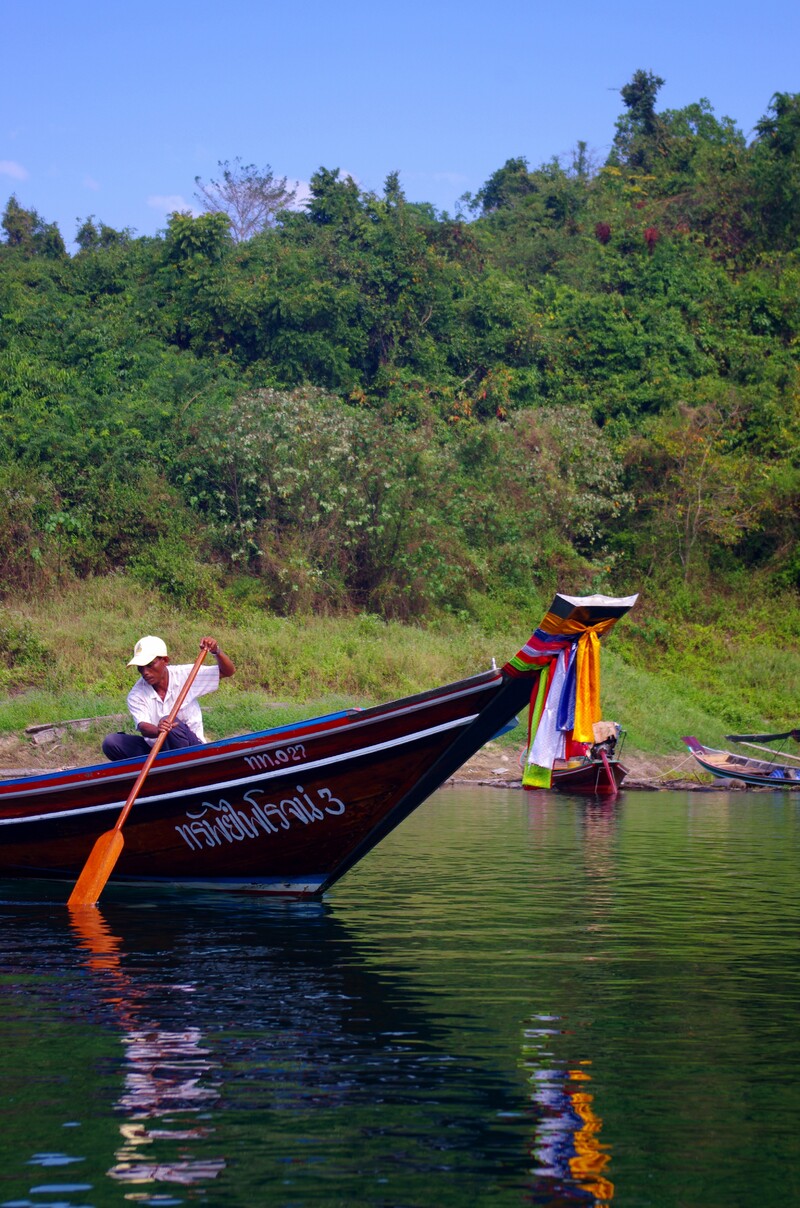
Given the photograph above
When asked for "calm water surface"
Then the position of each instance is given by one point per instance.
(517, 999)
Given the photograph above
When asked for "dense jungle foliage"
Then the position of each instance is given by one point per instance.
(585, 379)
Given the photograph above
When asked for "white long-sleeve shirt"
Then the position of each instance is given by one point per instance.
(144, 703)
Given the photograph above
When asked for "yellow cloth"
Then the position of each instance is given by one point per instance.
(587, 686)
(587, 670)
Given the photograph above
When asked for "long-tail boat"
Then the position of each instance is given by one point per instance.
(759, 773)
(596, 773)
(287, 810)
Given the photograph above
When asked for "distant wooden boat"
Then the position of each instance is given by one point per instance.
(588, 774)
(283, 811)
(761, 773)
(597, 772)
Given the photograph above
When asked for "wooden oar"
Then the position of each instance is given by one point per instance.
(106, 851)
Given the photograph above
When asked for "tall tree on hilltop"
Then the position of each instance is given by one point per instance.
(250, 197)
(641, 135)
(26, 230)
(335, 200)
(504, 187)
(776, 171)
(92, 238)
(705, 184)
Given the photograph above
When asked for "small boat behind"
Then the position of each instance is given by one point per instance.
(761, 773)
(598, 772)
(589, 776)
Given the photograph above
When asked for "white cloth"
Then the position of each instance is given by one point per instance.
(144, 703)
(550, 742)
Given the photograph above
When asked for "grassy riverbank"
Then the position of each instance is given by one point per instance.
(65, 657)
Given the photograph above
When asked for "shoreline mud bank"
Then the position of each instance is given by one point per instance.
(494, 766)
(497, 767)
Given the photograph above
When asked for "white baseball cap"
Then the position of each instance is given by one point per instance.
(147, 649)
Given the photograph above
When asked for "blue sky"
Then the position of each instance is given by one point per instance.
(112, 109)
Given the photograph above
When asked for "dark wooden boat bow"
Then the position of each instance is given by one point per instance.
(282, 811)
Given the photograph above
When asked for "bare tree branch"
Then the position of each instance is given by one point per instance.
(250, 197)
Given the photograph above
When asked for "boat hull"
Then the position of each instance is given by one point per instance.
(283, 812)
(758, 773)
(590, 778)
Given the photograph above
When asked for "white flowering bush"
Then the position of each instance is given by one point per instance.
(332, 507)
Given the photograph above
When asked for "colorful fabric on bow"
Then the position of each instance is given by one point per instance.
(540, 649)
(567, 700)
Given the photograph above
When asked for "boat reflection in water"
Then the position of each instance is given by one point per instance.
(168, 1072)
(243, 1052)
(570, 1158)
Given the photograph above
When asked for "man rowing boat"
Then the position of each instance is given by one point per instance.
(151, 698)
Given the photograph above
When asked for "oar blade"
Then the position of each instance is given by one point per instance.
(97, 869)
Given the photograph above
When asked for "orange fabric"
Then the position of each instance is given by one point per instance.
(587, 685)
(557, 625)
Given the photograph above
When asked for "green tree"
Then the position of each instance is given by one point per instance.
(28, 232)
(334, 201)
(92, 237)
(702, 183)
(776, 172)
(504, 187)
(640, 137)
(693, 490)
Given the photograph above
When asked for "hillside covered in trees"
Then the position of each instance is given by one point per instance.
(588, 379)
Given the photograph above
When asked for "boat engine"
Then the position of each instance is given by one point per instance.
(606, 735)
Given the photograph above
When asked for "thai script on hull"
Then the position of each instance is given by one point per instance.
(215, 823)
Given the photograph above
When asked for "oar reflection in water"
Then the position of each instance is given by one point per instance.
(167, 1070)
